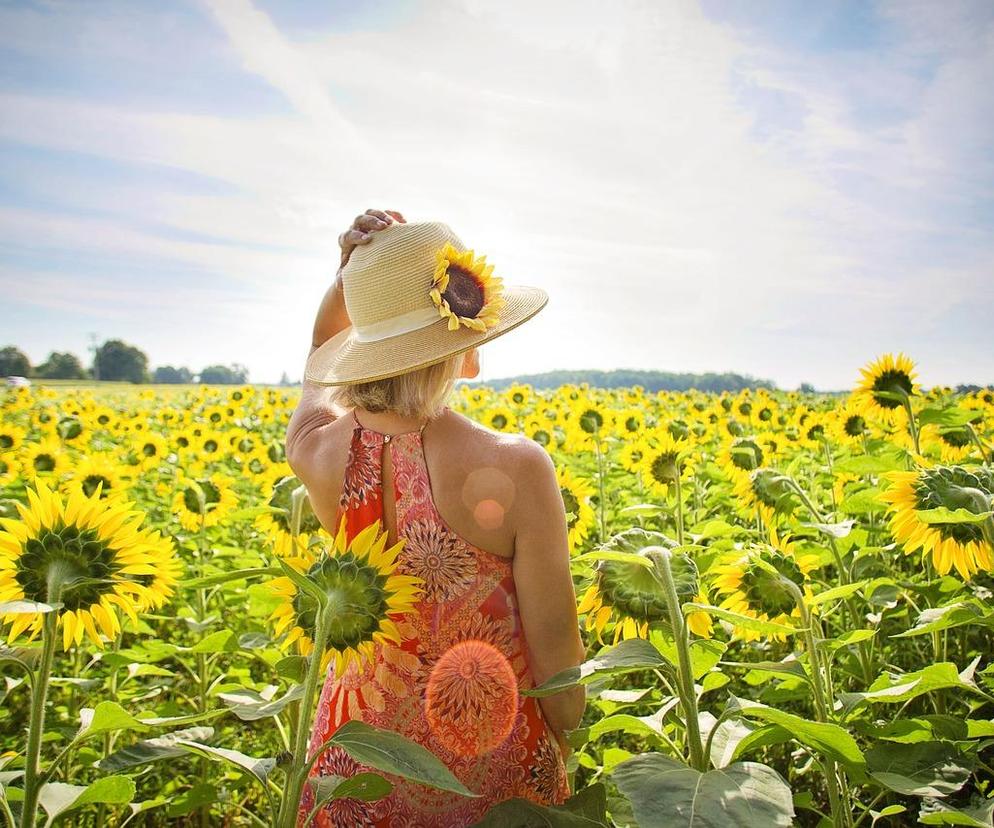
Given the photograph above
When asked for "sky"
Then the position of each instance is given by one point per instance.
(782, 189)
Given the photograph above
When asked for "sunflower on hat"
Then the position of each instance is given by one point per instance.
(465, 290)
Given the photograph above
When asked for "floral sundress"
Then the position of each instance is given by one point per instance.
(469, 596)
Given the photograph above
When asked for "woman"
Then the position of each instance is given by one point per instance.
(480, 514)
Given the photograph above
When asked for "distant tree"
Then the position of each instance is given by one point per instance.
(284, 379)
(167, 375)
(61, 365)
(233, 374)
(116, 360)
(650, 381)
(14, 363)
(806, 388)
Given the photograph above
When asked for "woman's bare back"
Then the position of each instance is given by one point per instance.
(472, 471)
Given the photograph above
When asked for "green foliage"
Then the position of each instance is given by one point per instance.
(14, 363)
(116, 360)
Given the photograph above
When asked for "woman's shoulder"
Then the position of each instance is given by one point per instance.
(508, 450)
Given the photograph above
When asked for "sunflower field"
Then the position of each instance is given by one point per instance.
(786, 600)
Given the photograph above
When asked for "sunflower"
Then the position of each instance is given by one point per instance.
(592, 420)
(465, 290)
(364, 589)
(885, 385)
(45, 458)
(518, 394)
(277, 525)
(629, 422)
(586, 427)
(664, 461)
(98, 553)
(951, 443)
(632, 454)
(848, 423)
(149, 450)
(98, 470)
(750, 588)
(103, 416)
(219, 499)
(71, 430)
(540, 430)
(209, 446)
(966, 546)
(576, 492)
(742, 455)
(10, 468)
(500, 418)
(767, 491)
(632, 595)
(11, 436)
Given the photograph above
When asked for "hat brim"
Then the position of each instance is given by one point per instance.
(343, 359)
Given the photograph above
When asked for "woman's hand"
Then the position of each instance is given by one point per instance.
(362, 229)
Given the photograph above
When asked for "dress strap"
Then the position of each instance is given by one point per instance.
(419, 432)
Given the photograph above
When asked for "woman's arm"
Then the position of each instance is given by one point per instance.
(315, 410)
(544, 585)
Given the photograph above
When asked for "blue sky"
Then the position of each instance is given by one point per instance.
(785, 189)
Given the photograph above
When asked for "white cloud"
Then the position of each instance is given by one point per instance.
(608, 158)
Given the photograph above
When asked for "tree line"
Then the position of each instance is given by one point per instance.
(651, 381)
(117, 361)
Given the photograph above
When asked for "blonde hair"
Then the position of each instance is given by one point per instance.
(421, 393)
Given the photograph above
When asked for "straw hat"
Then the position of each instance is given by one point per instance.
(417, 296)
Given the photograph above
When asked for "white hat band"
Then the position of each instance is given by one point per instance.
(396, 325)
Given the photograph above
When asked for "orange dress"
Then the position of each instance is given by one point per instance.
(468, 596)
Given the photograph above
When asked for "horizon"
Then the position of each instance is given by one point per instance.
(794, 191)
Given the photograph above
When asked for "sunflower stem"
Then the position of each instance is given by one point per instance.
(297, 773)
(831, 474)
(912, 423)
(679, 510)
(297, 514)
(685, 672)
(600, 484)
(984, 457)
(39, 698)
(8, 814)
(202, 676)
(841, 817)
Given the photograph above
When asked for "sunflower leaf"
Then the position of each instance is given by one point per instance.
(58, 798)
(951, 416)
(585, 809)
(367, 787)
(892, 688)
(106, 717)
(920, 769)
(626, 656)
(390, 752)
(613, 555)
(227, 577)
(959, 614)
(943, 515)
(835, 530)
(304, 583)
(826, 738)
(259, 767)
(836, 593)
(249, 706)
(27, 607)
(665, 792)
(153, 750)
